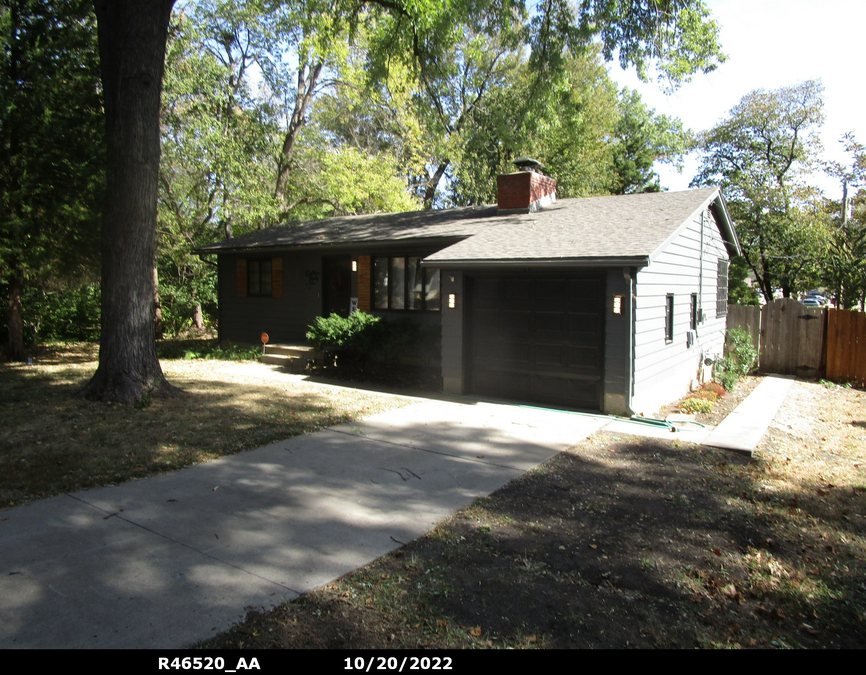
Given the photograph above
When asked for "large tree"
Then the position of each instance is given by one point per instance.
(844, 271)
(132, 37)
(760, 154)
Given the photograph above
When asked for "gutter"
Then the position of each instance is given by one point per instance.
(533, 263)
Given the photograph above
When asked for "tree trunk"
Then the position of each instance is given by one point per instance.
(16, 323)
(132, 38)
(198, 318)
(308, 78)
(433, 183)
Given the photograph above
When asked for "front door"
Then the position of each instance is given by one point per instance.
(336, 285)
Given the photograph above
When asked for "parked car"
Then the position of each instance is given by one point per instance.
(813, 301)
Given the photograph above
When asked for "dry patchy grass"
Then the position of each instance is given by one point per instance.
(52, 442)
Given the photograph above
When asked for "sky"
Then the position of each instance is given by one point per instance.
(772, 44)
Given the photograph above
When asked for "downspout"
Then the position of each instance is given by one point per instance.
(700, 310)
(629, 274)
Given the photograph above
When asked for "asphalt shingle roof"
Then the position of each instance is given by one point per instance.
(454, 223)
(624, 226)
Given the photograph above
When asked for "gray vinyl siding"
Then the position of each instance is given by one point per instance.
(664, 371)
(285, 319)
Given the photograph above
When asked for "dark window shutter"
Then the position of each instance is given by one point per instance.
(364, 291)
(277, 277)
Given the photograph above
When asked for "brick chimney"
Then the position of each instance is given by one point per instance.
(526, 190)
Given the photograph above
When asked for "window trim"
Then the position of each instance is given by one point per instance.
(722, 288)
(426, 273)
(669, 318)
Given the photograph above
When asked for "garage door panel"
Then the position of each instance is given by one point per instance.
(494, 353)
(556, 322)
(584, 357)
(550, 355)
(536, 338)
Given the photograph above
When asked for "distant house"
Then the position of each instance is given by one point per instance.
(604, 303)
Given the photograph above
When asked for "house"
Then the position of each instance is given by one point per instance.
(615, 304)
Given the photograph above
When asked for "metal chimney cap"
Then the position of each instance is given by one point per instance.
(528, 164)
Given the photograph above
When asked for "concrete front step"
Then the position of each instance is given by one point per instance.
(294, 350)
(293, 358)
(294, 364)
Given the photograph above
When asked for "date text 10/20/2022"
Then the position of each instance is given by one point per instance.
(398, 664)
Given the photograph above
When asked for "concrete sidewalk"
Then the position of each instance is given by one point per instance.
(171, 560)
(744, 428)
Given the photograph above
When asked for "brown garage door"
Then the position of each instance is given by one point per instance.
(537, 338)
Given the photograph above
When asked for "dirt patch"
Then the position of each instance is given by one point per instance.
(723, 406)
(625, 542)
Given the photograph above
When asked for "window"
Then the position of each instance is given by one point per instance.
(693, 312)
(722, 289)
(669, 318)
(400, 283)
(259, 278)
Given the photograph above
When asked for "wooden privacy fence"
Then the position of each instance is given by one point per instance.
(812, 342)
(846, 346)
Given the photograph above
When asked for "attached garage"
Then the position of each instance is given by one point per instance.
(536, 338)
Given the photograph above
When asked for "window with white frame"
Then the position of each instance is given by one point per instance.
(722, 289)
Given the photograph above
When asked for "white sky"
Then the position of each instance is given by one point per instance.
(772, 44)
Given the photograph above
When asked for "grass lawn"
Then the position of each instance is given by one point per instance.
(52, 442)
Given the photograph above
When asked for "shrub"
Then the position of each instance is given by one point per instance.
(371, 347)
(706, 395)
(696, 405)
(354, 335)
(740, 360)
(714, 387)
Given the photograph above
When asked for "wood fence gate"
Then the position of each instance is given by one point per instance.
(792, 338)
(846, 346)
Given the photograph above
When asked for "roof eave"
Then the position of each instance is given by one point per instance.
(720, 210)
(533, 263)
(276, 247)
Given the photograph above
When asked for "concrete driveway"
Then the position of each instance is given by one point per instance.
(171, 560)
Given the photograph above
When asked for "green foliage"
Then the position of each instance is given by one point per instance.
(336, 333)
(641, 138)
(207, 350)
(740, 290)
(741, 358)
(59, 312)
(52, 149)
(371, 346)
(844, 269)
(760, 155)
